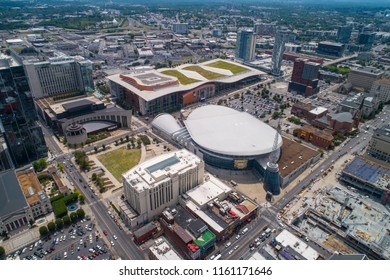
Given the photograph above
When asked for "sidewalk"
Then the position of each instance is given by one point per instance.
(21, 240)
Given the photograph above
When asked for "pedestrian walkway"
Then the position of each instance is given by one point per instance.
(21, 240)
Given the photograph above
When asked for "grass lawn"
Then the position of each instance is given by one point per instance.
(235, 69)
(184, 80)
(205, 73)
(120, 161)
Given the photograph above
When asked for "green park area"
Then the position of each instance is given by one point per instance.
(235, 69)
(119, 161)
(183, 79)
(205, 73)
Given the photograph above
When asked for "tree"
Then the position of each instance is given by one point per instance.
(80, 213)
(81, 199)
(96, 149)
(51, 226)
(43, 230)
(104, 147)
(127, 138)
(60, 167)
(129, 146)
(2, 252)
(59, 223)
(73, 217)
(40, 164)
(94, 176)
(321, 151)
(66, 220)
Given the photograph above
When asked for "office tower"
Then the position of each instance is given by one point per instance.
(58, 76)
(304, 78)
(245, 45)
(281, 38)
(272, 180)
(180, 28)
(330, 48)
(343, 34)
(265, 29)
(366, 39)
(23, 138)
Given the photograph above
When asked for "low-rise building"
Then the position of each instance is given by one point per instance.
(337, 122)
(352, 104)
(319, 138)
(330, 48)
(161, 250)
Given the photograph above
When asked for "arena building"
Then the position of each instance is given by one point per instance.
(222, 137)
(149, 91)
(228, 139)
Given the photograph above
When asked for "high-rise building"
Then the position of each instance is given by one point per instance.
(364, 77)
(304, 78)
(366, 40)
(268, 29)
(343, 34)
(180, 28)
(23, 138)
(379, 146)
(245, 45)
(281, 38)
(381, 89)
(153, 185)
(59, 75)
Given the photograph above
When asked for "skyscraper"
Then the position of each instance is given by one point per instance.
(281, 38)
(23, 138)
(245, 46)
(344, 33)
(304, 78)
(367, 40)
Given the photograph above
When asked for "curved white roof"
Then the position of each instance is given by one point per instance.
(226, 131)
(166, 123)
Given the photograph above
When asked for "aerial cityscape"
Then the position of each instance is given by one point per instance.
(194, 130)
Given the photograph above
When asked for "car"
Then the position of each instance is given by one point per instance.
(238, 236)
(230, 252)
(257, 240)
(31, 247)
(65, 255)
(114, 236)
(236, 247)
(91, 250)
(79, 258)
(78, 248)
(90, 257)
(81, 241)
(212, 257)
(24, 250)
(112, 243)
(228, 244)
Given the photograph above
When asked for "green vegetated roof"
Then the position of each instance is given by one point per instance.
(235, 69)
(205, 73)
(204, 238)
(183, 79)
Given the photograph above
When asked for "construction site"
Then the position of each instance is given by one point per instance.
(343, 221)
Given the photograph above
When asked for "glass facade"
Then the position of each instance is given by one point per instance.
(272, 179)
(22, 135)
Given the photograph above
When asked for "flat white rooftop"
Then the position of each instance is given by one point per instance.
(229, 132)
(208, 191)
(160, 168)
(318, 110)
(286, 238)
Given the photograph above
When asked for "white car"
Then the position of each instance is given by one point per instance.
(230, 252)
(112, 243)
(238, 236)
(81, 241)
(65, 255)
(114, 236)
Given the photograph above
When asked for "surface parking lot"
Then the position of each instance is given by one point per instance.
(77, 242)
